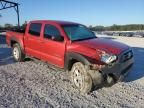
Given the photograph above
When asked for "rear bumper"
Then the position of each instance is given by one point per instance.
(119, 70)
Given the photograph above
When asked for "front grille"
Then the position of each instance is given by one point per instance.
(126, 56)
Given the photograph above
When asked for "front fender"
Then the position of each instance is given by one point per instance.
(75, 56)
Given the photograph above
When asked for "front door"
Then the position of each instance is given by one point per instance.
(53, 50)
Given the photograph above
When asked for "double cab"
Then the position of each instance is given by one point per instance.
(91, 61)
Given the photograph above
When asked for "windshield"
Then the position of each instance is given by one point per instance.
(78, 32)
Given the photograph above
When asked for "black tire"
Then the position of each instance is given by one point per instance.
(17, 53)
(81, 78)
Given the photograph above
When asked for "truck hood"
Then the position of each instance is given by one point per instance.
(105, 45)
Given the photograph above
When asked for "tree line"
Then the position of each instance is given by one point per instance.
(8, 26)
(130, 27)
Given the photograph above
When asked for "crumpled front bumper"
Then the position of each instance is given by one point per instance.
(119, 70)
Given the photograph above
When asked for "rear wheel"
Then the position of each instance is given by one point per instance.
(17, 53)
(81, 78)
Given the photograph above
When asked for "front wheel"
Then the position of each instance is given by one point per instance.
(81, 78)
(17, 53)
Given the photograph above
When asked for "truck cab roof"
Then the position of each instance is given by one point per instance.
(54, 22)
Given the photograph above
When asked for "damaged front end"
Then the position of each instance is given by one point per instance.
(112, 69)
(106, 59)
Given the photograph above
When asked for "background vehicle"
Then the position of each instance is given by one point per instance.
(139, 34)
(116, 34)
(127, 34)
(91, 61)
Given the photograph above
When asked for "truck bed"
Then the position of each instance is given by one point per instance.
(19, 30)
(14, 36)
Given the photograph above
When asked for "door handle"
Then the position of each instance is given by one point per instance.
(42, 42)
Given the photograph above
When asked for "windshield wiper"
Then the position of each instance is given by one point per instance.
(85, 39)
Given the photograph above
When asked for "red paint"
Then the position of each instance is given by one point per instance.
(105, 45)
(54, 52)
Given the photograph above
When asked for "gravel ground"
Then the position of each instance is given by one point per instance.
(34, 84)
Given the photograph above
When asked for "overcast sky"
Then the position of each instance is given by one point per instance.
(88, 12)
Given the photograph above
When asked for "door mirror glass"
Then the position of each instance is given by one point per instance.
(57, 38)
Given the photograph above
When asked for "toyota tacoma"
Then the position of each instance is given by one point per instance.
(90, 61)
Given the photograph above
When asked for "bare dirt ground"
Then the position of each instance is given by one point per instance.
(34, 84)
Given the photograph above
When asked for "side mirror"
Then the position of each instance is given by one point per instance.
(58, 38)
(93, 33)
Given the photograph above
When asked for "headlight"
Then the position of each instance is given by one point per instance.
(107, 58)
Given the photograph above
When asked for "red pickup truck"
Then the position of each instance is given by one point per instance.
(91, 61)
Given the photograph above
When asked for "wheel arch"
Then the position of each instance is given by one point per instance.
(72, 57)
(15, 41)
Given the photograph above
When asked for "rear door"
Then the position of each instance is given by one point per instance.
(53, 51)
(33, 40)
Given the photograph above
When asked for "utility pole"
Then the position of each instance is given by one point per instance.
(5, 4)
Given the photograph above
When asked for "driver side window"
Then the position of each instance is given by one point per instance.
(50, 31)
